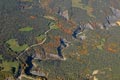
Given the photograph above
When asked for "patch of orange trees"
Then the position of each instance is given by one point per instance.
(52, 45)
(66, 30)
(83, 49)
(112, 47)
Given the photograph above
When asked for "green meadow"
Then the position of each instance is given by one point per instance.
(26, 29)
(53, 25)
(40, 38)
(13, 44)
(79, 4)
(8, 65)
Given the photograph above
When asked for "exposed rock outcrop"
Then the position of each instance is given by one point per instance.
(112, 19)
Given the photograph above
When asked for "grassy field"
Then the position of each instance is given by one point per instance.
(27, 0)
(26, 29)
(15, 46)
(53, 25)
(40, 38)
(8, 65)
(87, 8)
(6, 74)
(1, 57)
(77, 3)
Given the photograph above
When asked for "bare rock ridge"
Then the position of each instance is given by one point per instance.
(111, 20)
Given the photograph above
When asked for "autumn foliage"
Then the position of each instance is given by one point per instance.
(83, 49)
(32, 17)
(112, 47)
(52, 45)
(66, 30)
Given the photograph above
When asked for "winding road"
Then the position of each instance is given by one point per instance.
(35, 44)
